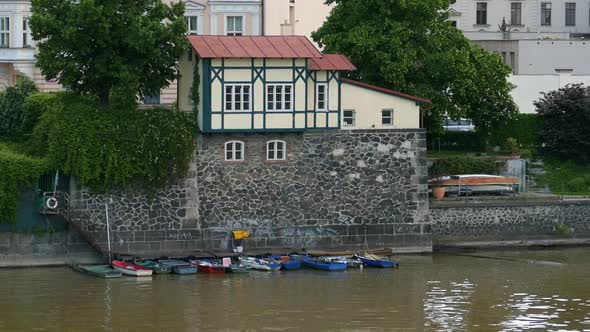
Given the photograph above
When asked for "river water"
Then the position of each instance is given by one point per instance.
(427, 293)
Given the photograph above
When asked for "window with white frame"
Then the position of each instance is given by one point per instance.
(545, 13)
(5, 31)
(276, 150)
(191, 24)
(570, 13)
(234, 25)
(321, 97)
(387, 117)
(279, 97)
(26, 33)
(349, 118)
(237, 97)
(234, 151)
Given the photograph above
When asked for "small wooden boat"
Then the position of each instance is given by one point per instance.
(351, 262)
(131, 269)
(324, 264)
(260, 264)
(476, 183)
(288, 262)
(376, 261)
(102, 271)
(155, 266)
(210, 267)
(238, 269)
(179, 267)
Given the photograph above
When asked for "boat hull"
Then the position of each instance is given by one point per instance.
(186, 269)
(377, 263)
(291, 265)
(156, 267)
(101, 271)
(260, 265)
(211, 269)
(325, 266)
(133, 270)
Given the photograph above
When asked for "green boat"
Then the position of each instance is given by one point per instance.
(238, 269)
(155, 266)
(102, 271)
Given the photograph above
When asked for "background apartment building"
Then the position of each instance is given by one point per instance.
(294, 17)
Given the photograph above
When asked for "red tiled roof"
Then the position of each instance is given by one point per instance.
(331, 62)
(208, 47)
(387, 91)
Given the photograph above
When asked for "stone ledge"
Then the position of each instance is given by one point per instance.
(505, 203)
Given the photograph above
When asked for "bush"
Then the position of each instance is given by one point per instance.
(466, 165)
(106, 147)
(566, 177)
(565, 119)
(16, 171)
(12, 115)
(524, 128)
(456, 141)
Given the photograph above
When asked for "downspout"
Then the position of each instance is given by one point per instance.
(263, 18)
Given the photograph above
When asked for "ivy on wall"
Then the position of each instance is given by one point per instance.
(16, 171)
(195, 95)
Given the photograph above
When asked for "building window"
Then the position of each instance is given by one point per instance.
(321, 95)
(26, 32)
(546, 13)
(279, 97)
(234, 25)
(276, 150)
(191, 24)
(512, 61)
(454, 24)
(504, 57)
(349, 118)
(4, 31)
(570, 13)
(237, 97)
(387, 117)
(482, 13)
(516, 13)
(234, 151)
(152, 100)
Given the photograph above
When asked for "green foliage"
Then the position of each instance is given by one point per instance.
(411, 47)
(562, 229)
(522, 127)
(465, 165)
(566, 177)
(456, 141)
(195, 95)
(565, 119)
(115, 48)
(16, 171)
(512, 145)
(14, 120)
(108, 147)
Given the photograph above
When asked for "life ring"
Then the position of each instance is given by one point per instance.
(51, 203)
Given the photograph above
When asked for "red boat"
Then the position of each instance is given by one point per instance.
(131, 269)
(209, 267)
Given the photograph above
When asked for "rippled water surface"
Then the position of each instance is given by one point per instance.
(427, 293)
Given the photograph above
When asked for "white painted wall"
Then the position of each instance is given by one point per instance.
(529, 88)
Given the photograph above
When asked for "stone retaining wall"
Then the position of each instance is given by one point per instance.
(338, 189)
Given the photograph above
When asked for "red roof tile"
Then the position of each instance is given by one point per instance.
(253, 47)
(331, 62)
(387, 91)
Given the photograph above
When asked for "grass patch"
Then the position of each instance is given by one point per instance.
(566, 177)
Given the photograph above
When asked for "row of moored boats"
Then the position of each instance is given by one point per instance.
(244, 264)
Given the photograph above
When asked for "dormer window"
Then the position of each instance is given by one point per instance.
(234, 25)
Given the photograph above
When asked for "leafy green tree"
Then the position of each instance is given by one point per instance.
(565, 122)
(110, 48)
(13, 118)
(410, 46)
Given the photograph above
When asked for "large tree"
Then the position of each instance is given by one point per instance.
(111, 48)
(410, 46)
(565, 122)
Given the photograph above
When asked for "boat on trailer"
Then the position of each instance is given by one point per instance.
(376, 261)
(155, 266)
(102, 271)
(260, 264)
(131, 269)
(324, 264)
(179, 267)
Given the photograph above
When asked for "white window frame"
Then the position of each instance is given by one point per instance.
(192, 30)
(271, 98)
(234, 150)
(233, 98)
(344, 124)
(391, 121)
(26, 32)
(234, 32)
(4, 31)
(274, 153)
(317, 97)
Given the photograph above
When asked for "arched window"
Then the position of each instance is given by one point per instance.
(276, 150)
(234, 151)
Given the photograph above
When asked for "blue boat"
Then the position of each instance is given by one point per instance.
(375, 261)
(321, 264)
(293, 263)
(179, 267)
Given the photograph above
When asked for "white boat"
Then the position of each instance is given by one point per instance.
(477, 183)
(260, 264)
(131, 269)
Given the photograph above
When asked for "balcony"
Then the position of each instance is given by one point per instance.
(17, 54)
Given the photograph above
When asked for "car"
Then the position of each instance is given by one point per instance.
(458, 125)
